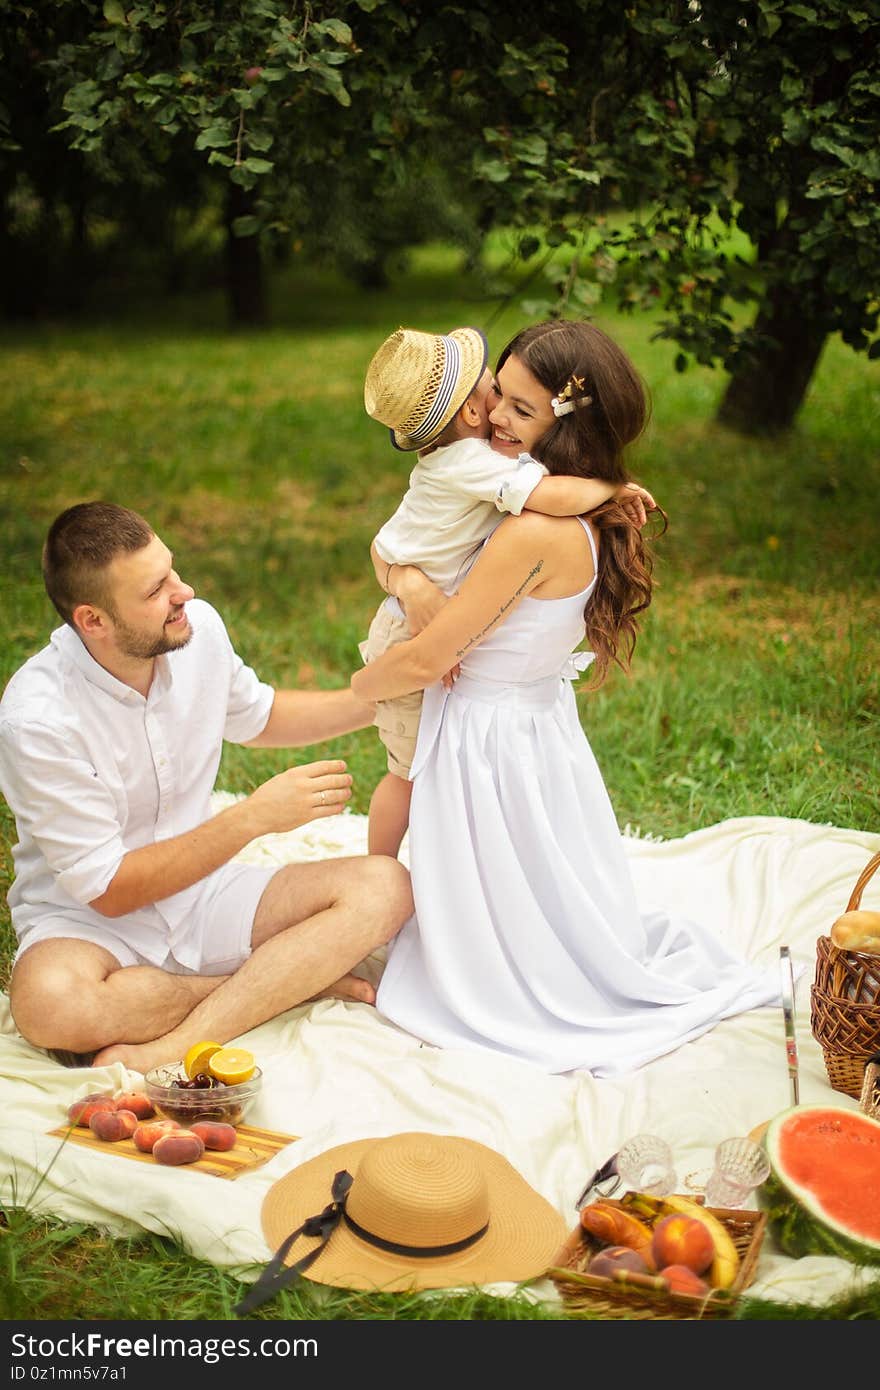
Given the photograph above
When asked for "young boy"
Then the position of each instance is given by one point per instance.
(432, 391)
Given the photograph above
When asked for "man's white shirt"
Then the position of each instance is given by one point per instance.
(91, 769)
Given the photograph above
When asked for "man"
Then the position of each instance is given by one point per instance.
(138, 934)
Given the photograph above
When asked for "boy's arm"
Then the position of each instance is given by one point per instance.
(527, 486)
(562, 495)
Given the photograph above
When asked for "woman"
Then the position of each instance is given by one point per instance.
(527, 938)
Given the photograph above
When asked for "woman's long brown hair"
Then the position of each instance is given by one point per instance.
(590, 443)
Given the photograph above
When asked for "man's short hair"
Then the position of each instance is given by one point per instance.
(81, 544)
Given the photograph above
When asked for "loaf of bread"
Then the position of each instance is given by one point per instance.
(857, 931)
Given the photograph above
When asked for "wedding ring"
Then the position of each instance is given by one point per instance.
(323, 797)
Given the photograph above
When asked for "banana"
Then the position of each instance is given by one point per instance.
(725, 1265)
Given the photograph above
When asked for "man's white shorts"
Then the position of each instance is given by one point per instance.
(220, 927)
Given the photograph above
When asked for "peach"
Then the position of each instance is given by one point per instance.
(613, 1257)
(137, 1102)
(82, 1110)
(681, 1279)
(180, 1147)
(683, 1240)
(148, 1131)
(215, 1134)
(113, 1125)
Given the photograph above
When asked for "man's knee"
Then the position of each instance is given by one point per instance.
(44, 1004)
(53, 1003)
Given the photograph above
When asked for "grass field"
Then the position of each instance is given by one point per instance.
(755, 687)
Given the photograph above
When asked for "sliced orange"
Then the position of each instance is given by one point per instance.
(198, 1057)
(232, 1064)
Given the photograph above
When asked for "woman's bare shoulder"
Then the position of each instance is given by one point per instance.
(554, 547)
(536, 528)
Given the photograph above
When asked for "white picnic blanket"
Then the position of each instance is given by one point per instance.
(337, 1071)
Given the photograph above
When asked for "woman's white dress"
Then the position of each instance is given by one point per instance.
(527, 937)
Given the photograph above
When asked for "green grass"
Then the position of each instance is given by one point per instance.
(755, 687)
(53, 1271)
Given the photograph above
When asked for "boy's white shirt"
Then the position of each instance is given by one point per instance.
(452, 504)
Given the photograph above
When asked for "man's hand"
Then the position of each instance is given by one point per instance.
(301, 794)
(159, 870)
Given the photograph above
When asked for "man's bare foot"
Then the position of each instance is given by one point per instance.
(139, 1057)
(351, 987)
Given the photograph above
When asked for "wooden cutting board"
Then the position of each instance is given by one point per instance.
(253, 1147)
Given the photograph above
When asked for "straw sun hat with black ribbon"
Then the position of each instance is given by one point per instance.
(416, 382)
(411, 1211)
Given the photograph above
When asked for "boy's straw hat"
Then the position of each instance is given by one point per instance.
(422, 1211)
(417, 381)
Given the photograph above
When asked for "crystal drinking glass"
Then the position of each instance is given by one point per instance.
(645, 1164)
(741, 1165)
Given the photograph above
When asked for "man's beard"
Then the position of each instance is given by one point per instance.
(144, 646)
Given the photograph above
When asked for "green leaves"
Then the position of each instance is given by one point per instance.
(216, 73)
(492, 170)
(632, 134)
(215, 138)
(531, 149)
(83, 97)
(335, 29)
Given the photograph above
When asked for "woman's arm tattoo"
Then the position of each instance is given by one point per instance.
(536, 569)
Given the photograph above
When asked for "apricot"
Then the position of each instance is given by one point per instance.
(613, 1257)
(215, 1134)
(113, 1125)
(137, 1102)
(180, 1147)
(82, 1110)
(681, 1279)
(683, 1240)
(148, 1131)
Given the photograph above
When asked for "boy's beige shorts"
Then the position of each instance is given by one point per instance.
(397, 720)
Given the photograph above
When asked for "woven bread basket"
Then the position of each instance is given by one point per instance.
(593, 1296)
(845, 1003)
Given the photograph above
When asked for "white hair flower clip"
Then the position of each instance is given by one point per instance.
(564, 403)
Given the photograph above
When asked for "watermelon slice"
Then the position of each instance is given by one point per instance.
(823, 1193)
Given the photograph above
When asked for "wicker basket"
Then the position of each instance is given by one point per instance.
(845, 1003)
(590, 1295)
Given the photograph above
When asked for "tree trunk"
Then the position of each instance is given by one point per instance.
(764, 396)
(244, 264)
(368, 274)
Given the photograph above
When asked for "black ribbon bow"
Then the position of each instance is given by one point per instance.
(276, 1275)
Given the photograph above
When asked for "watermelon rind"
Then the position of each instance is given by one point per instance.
(795, 1216)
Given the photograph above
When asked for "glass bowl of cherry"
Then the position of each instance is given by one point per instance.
(203, 1097)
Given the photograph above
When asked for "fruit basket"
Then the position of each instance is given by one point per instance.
(592, 1295)
(845, 1003)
